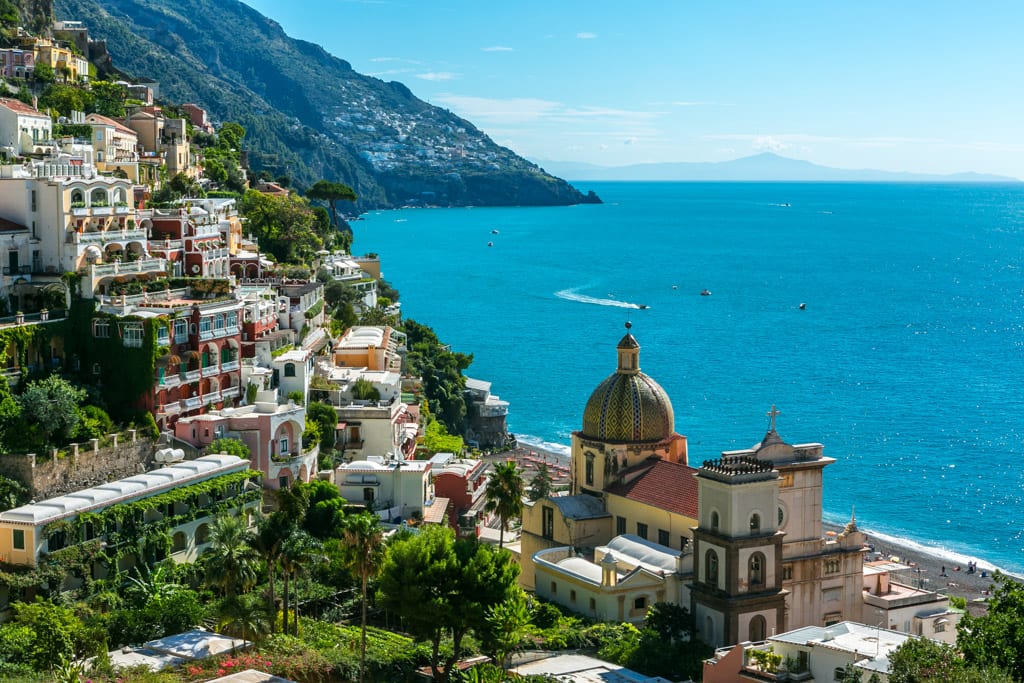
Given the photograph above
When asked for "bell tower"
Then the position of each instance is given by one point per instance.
(737, 592)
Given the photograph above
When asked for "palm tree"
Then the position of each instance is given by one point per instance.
(504, 495)
(298, 550)
(243, 615)
(271, 532)
(364, 555)
(231, 561)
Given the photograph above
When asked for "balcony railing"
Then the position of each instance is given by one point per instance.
(211, 397)
(140, 266)
(107, 236)
(210, 370)
(170, 408)
(191, 402)
(230, 392)
(170, 380)
(229, 366)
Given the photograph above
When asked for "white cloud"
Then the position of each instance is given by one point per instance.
(497, 48)
(438, 76)
(514, 110)
(629, 141)
(769, 143)
(586, 35)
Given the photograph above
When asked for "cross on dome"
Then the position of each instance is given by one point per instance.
(772, 414)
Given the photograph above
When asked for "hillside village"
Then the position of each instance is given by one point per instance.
(213, 413)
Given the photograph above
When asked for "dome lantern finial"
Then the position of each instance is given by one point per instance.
(629, 353)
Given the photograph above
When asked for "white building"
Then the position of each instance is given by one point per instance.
(395, 488)
(294, 371)
(902, 607)
(812, 653)
(625, 578)
(24, 129)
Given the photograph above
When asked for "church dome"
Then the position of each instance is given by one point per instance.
(628, 406)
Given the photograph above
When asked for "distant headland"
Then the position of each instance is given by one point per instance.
(765, 167)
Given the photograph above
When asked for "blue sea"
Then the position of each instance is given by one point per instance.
(906, 362)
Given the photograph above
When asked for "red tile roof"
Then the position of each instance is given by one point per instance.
(666, 485)
(11, 226)
(19, 107)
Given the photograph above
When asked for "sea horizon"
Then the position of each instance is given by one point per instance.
(900, 362)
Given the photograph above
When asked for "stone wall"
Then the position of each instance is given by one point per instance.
(86, 465)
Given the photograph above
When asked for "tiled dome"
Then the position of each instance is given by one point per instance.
(628, 406)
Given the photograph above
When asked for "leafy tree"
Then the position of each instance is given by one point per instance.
(109, 98)
(284, 226)
(66, 99)
(436, 438)
(364, 541)
(996, 639)
(51, 406)
(325, 516)
(507, 623)
(12, 493)
(93, 423)
(504, 495)
(57, 634)
(540, 486)
(43, 73)
(441, 370)
(443, 587)
(331, 193)
(922, 659)
(155, 606)
(326, 417)
(243, 615)
(231, 562)
(229, 446)
(230, 135)
(671, 622)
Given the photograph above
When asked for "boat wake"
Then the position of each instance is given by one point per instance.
(574, 295)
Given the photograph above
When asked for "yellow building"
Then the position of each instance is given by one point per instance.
(628, 472)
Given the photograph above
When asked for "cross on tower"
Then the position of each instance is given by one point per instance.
(771, 418)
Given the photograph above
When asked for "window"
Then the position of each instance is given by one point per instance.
(548, 522)
(832, 566)
(833, 618)
(101, 329)
(289, 369)
(755, 523)
(714, 520)
(33, 200)
(572, 597)
(163, 336)
(787, 572)
(19, 539)
(204, 326)
(641, 530)
(755, 571)
(663, 537)
(181, 330)
(232, 320)
(620, 525)
(368, 495)
(282, 482)
(832, 594)
(590, 469)
(133, 334)
(640, 603)
(782, 516)
(593, 604)
(758, 626)
(837, 675)
(711, 567)
(284, 445)
(218, 322)
(940, 626)
(554, 588)
(683, 542)
(786, 480)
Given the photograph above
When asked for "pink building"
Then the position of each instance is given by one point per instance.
(462, 482)
(272, 432)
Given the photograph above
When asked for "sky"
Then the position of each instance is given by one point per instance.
(931, 87)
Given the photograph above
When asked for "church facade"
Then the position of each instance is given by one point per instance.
(745, 529)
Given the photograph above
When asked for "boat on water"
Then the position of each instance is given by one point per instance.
(490, 244)
(705, 292)
(642, 306)
(494, 231)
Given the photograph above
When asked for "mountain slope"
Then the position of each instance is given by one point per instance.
(759, 167)
(307, 113)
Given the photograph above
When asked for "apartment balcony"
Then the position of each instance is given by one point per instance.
(102, 210)
(102, 236)
(122, 209)
(191, 375)
(230, 366)
(230, 392)
(192, 402)
(170, 380)
(169, 408)
(125, 268)
(211, 397)
(79, 211)
(210, 370)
